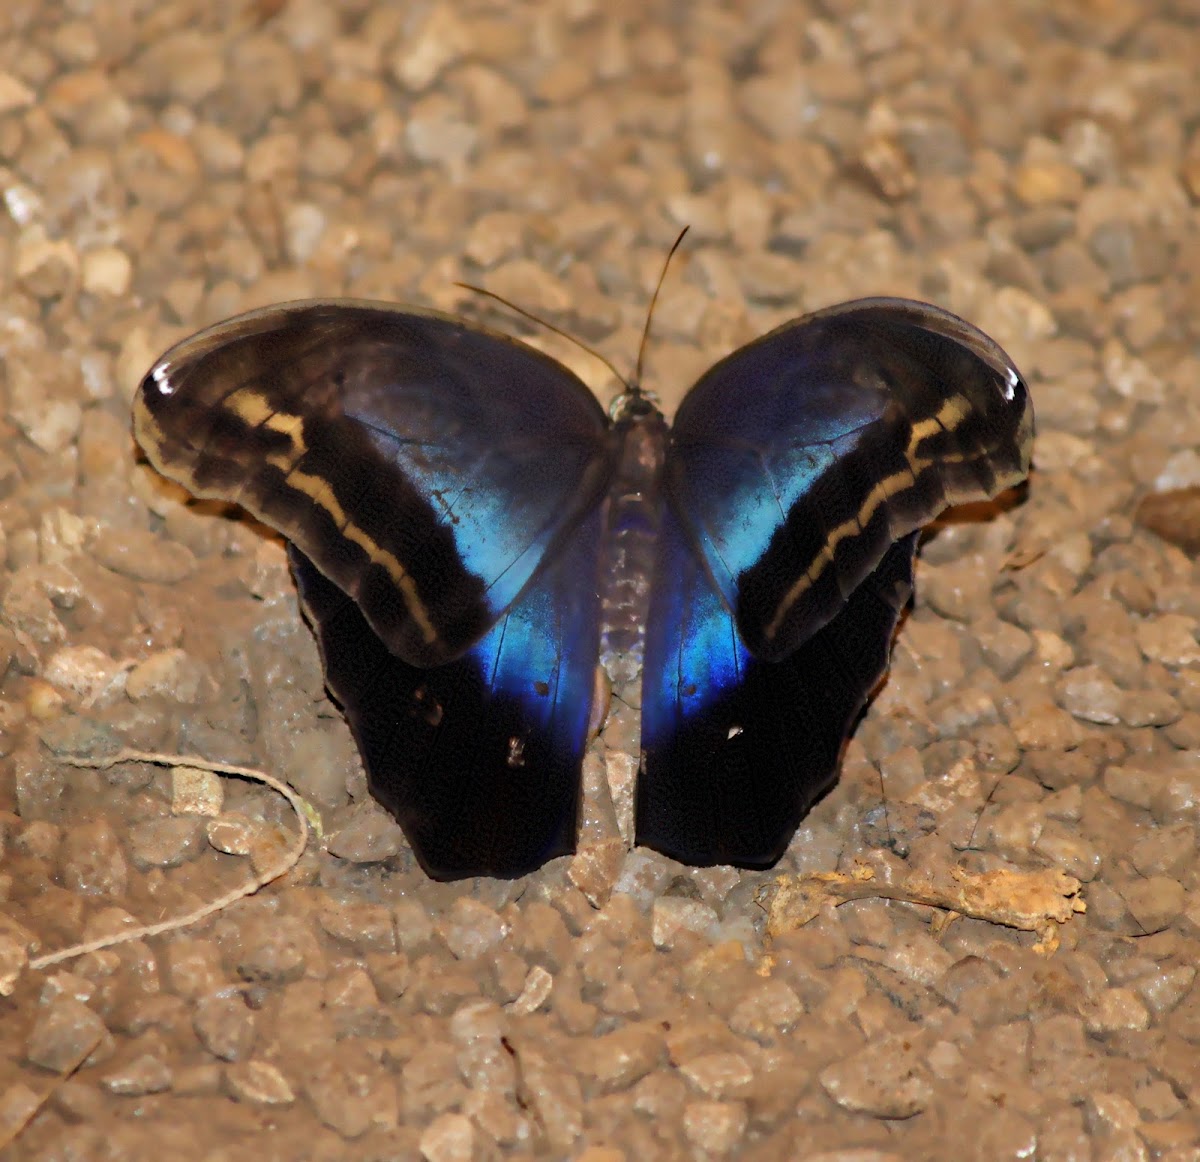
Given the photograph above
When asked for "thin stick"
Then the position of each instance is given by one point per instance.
(288, 861)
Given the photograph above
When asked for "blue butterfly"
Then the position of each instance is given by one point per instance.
(470, 533)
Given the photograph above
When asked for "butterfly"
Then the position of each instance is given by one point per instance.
(469, 532)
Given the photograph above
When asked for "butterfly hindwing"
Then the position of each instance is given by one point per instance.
(424, 465)
(477, 758)
(737, 749)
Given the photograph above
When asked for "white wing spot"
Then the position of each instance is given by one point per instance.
(162, 380)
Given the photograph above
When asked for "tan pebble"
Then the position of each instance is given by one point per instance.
(107, 271)
(715, 1127)
(43, 700)
(538, 986)
(46, 268)
(258, 1083)
(14, 94)
(448, 1138)
(171, 673)
(85, 671)
(196, 792)
(174, 152)
(672, 915)
(439, 42)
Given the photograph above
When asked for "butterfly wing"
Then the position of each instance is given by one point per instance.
(425, 466)
(798, 460)
(735, 749)
(798, 472)
(440, 486)
(479, 758)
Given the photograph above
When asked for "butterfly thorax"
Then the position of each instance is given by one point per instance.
(631, 531)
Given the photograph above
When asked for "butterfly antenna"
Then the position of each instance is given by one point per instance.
(539, 321)
(641, 355)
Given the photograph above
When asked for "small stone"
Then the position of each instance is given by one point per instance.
(14, 94)
(918, 957)
(365, 927)
(13, 959)
(1110, 1113)
(1087, 693)
(172, 674)
(888, 1080)
(1169, 638)
(1069, 850)
(448, 1138)
(1141, 708)
(1164, 988)
(165, 842)
(438, 131)
(142, 556)
(351, 1094)
(107, 271)
(258, 1083)
(1154, 902)
(595, 867)
(196, 792)
(671, 915)
(87, 672)
(718, 1075)
(714, 1128)
(276, 948)
(225, 1025)
(92, 861)
(1164, 849)
(536, 991)
(146, 1073)
(616, 1060)
(422, 56)
(371, 836)
(64, 1032)
(44, 268)
(772, 1007)
(194, 966)
(471, 928)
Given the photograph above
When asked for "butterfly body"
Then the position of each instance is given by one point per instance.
(470, 533)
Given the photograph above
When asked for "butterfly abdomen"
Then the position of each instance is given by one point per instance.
(632, 523)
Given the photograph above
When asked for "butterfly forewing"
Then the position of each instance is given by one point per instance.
(425, 466)
(797, 461)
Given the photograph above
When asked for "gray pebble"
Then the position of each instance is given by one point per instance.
(145, 1073)
(64, 1032)
(225, 1025)
(616, 1060)
(370, 836)
(351, 1094)
(166, 842)
(91, 859)
(1154, 902)
(888, 1080)
(142, 556)
(470, 928)
(277, 949)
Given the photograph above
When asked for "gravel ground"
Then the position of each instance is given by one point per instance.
(166, 164)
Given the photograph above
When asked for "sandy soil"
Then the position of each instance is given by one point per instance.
(1033, 167)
